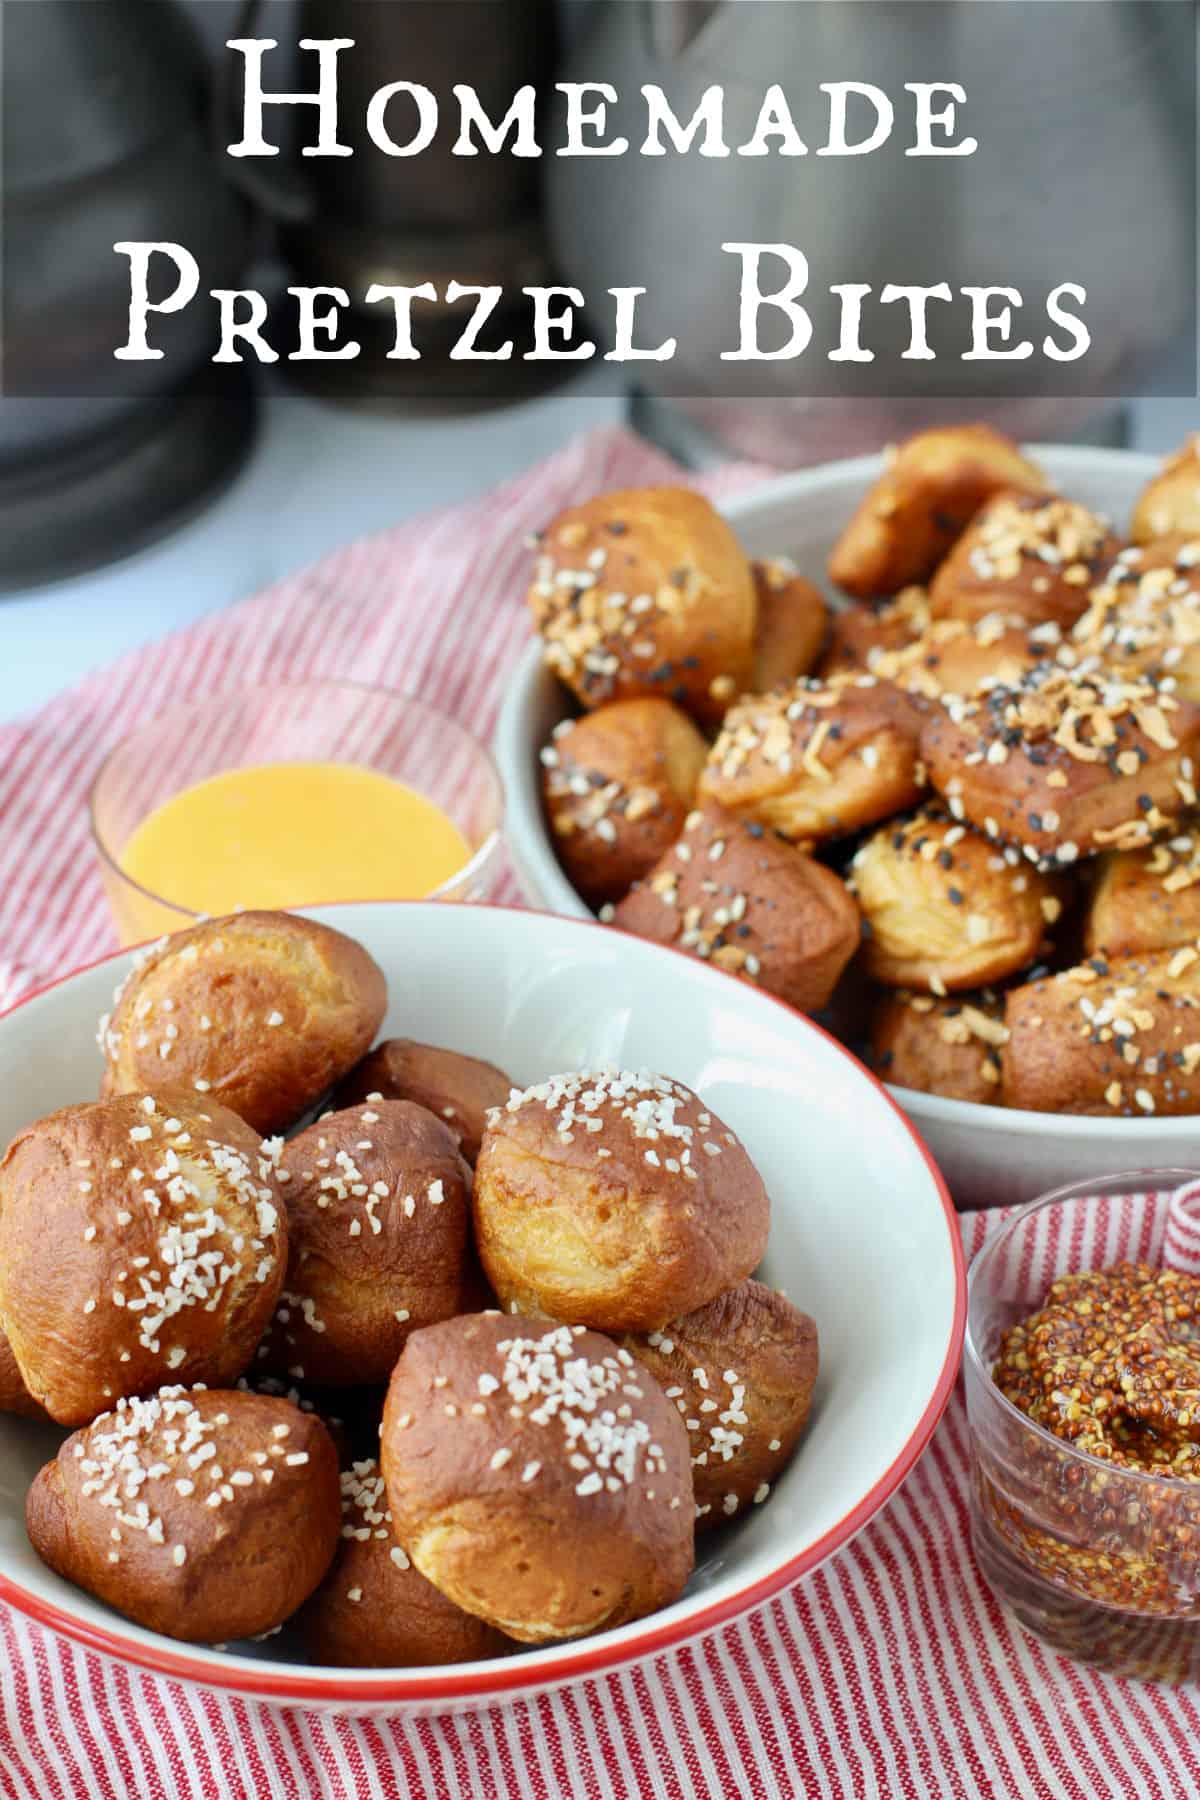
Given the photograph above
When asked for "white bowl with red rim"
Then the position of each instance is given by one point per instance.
(989, 1156)
(863, 1237)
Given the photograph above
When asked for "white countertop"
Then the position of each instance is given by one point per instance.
(318, 477)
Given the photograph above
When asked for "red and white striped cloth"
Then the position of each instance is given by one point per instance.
(889, 1672)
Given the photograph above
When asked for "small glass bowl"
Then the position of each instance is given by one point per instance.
(1101, 1562)
(305, 721)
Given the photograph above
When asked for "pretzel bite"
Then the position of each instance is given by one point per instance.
(792, 624)
(931, 487)
(1171, 500)
(617, 786)
(646, 592)
(141, 1239)
(262, 1010)
(818, 760)
(741, 1373)
(206, 1515)
(616, 1200)
(743, 898)
(860, 634)
(458, 1089)
(378, 1215)
(14, 1395)
(1145, 899)
(951, 1047)
(960, 656)
(944, 911)
(374, 1610)
(537, 1476)
(1066, 762)
(1146, 613)
(1033, 555)
(1116, 1037)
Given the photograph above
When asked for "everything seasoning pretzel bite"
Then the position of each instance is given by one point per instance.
(1030, 554)
(262, 1010)
(961, 657)
(931, 487)
(646, 592)
(791, 625)
(818, 760)
(537, 1476)
(743, 898)
(1066, 762)
(460, 1090)
(204, 1514)
(1146, 613)
(615, 1199)
(1171, 501)
(142, 1240)
(740, 1372)
(1145, 899)
(944, 909)
(859, 634)
(378, 1203)
(374, 1610)
(952, 1047)
(617, 785)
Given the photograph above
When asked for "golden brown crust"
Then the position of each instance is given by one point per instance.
(206, 1515)
(944, 910)
(374, 1610)
(142, 1240)
(1117, 1038)
(616, 1200)
(617, 785)
(952, 1047)
(792, 624)
(262, 1010)
(1067, 762)
(1032, 555)
(740, 897)
(378, 1202)
(818, 760)
(1145, 899)
(740, 1373)
(934, 483)
(646, 591)
(460, 1090)
(1171, 500)
(860, 634)
(1145, 613)
(537, 1476)
(15, 1397)
(959, 656)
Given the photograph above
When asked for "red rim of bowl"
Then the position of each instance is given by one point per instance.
(593, 1658)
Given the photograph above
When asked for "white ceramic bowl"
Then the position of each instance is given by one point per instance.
(862, 1236)
(989, 1156)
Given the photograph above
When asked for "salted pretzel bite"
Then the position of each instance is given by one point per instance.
(1033, 555)
(614, 1199)
(262, 1010)
(1067, 762)
(205, 1514)
(646, 591)
(1145, 613)
(14, 1395)
(1170, 502)
(142, 1239)
(944, 911)
(792, 624)
(1145, 899)
(740, 1372)
(1116, 1037)
(617, 785)
(960, 656)
(378, 1202)
(460, 1090)
(932, 485)
(858, 635)
(741, 897)
(952, 1047)
(818, 760)
(374, 1610)
(537, 1476)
